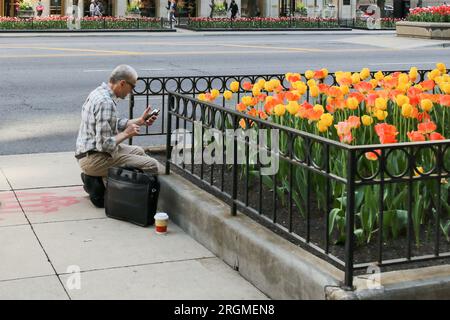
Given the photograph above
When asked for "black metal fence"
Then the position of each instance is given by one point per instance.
(288, 23)
(87, 23)
(325, 196)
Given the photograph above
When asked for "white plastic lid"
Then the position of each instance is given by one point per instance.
(161, 216)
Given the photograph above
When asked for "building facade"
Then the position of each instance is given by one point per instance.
(344, 9)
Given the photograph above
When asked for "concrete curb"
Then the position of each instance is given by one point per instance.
(275, 266)
(431, 283)
(188, 33)
(63, 31)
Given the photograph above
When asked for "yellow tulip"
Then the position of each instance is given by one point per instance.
(314, 91)
(445, 87)
(227, 94)
(379, 76)
(311, 82)
(279, 110)
(433, 74)
(234, 86)
(356, 78)
(403, 78)
(215, 93)
(325, 72)
(352, 103)
(309, 74)
(202, 97)
(322, 127)
(381, 103)
(426, 105)
(345, 89)
(275, 83)
(374, 83)
(268, 86)
(256, 90)
(381, 114)
(300, 86)
(326, 119)
(247, 100)
(413, 73)
(293, 107)
(403, 87)
(318, 108)
(401, 99)
(366, 120)
(365, 73)
(406, 110)
(441, 67)
(261, 83)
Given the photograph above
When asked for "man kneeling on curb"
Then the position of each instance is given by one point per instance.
(98, 146)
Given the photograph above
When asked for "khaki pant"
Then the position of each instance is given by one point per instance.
(97, 164)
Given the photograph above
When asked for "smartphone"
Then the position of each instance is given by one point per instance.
(151, 114)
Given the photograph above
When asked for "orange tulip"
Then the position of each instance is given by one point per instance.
(427, 84)
(247, 86)
(436, 136)
(445, 100)
(426, 127)
(416, 136)
(373, 156)
(387, 133)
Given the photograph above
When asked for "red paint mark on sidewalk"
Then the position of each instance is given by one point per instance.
(35, 202)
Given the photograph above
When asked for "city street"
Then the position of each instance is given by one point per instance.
(44, 80)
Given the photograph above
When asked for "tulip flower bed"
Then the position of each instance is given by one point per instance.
(364, 155)
(86, 23)
(430, 14)
(262, 23)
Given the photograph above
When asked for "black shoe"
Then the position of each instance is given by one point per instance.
(97, 201)
(95, 188)
(84, 183)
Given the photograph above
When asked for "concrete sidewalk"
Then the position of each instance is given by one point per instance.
(49, 230)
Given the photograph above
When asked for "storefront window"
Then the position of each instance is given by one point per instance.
(148, 8)
(187, 8)
(55, 7)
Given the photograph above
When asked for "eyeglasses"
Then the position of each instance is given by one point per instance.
(131, 85)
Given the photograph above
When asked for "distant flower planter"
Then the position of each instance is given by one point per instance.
(25, 13)
(133, 14)
(428, 30)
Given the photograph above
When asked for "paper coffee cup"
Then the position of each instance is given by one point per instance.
(161, 220)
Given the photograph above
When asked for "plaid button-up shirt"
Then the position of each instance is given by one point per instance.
(99, 122)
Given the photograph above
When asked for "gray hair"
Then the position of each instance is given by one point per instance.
(123, 72)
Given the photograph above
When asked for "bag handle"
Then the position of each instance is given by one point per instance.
(130, 168)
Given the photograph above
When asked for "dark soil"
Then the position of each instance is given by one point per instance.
(363, 253)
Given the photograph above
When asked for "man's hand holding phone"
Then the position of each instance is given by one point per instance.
(149, 116)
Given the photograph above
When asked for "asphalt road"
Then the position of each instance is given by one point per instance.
(44, 80)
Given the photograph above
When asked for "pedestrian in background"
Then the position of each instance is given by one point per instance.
(39, 8)
(234, 9)
(212, 6)
(172, 11)
(92, 8)
(97, 11)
